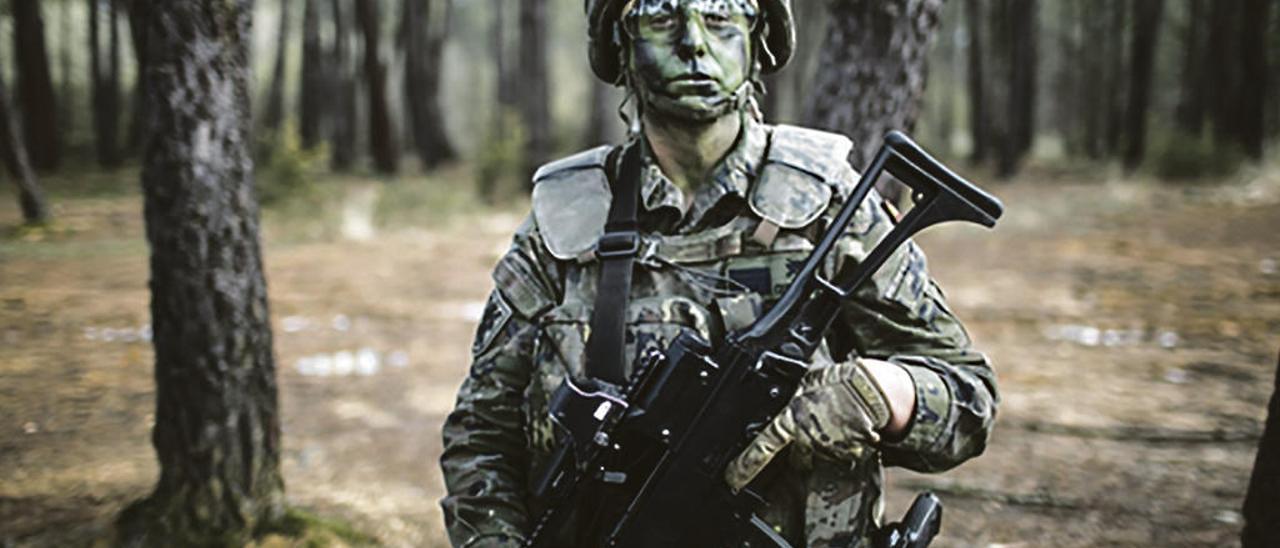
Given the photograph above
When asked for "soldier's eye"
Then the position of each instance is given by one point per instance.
(662, 21)
(717, 20)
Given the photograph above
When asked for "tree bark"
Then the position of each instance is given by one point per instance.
(382, 135)
(312, 93)
(424, 53)
(1262, 502)
(217, 431)
(1147, 15)
(273, 114)
(37, 102)
(978, 123)
(30, 195)
(535, 104)
(873, 70)
(342, 83)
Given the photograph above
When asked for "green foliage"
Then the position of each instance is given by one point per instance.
(1182, 157)
(287, 168)
(500, 160)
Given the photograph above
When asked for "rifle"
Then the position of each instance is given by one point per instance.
(642, 465)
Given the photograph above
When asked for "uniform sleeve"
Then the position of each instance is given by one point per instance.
(901, 316)
(485, 455)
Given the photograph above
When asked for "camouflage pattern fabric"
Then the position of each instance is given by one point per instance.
(695, 255)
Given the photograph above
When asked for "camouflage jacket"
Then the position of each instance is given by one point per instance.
(712, 250)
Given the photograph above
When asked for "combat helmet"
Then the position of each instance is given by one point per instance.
(776, 33)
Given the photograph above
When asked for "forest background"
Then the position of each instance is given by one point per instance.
(1134, 141)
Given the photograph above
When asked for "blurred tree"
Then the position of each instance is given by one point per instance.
(504, 82)
(66, 88)
(273, 113)
(1253, 91)
(30, 195)
(1262, 502)
(217, 429)
(1190, 113)
(978, 119)
(1116, 85)
(1147, 16)
(602, 112)
(138, 32)
(312, 97)
(382, 135)
(105, 84)
(535, 96)
(424, 63)
(1224, 46)
(342, 83)
(1005, 90)
(863, 88)
(38, 103)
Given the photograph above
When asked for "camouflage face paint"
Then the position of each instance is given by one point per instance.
(690, 59)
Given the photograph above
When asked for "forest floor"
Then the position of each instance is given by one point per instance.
(1134, 327)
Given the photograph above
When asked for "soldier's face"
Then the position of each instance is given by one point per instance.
(690, 57)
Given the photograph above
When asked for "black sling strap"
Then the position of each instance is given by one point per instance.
(617, 249)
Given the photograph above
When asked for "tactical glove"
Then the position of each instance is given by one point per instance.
(837, 411)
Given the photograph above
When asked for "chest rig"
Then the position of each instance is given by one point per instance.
(586, 216)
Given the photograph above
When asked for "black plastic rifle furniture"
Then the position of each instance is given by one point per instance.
(642, 465)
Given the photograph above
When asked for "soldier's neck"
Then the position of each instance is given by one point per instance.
(688, 151)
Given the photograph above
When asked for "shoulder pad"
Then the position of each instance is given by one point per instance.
(571, 200)
(802, 170)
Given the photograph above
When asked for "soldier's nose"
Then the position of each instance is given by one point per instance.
(692, 41)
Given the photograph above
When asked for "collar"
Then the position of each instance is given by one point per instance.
(731, 177)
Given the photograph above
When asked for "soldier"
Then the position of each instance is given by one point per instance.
(729, 208)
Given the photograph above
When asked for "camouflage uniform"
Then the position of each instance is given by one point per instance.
(710, 251)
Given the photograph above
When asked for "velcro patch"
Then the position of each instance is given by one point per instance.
(496, 315)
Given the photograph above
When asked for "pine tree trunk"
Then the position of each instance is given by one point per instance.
(382, 135)
(66, 93)
(273, 114)
(1093, 68)
(138, 33)
(1191, 101)
(342, 82)
(1225, 75)
(37, 102)
(30, 195)
(1146, 34)
(217, 431)
(535, 90)
(424, 50)
(1262, 503)
(978, 121)
(311, 93)
(1025, 16)
(105, 83)
(505, 76)
(873, 70)
(111, 115)
(1116, 83)
(1253, 60)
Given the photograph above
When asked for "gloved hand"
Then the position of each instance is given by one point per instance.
(836, 411)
